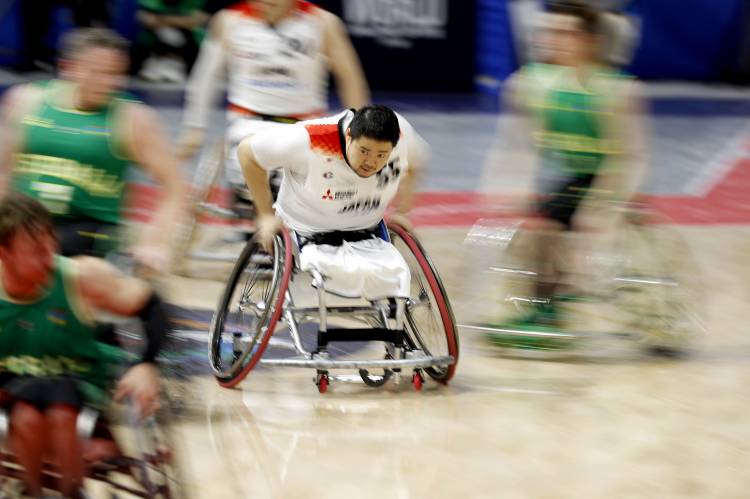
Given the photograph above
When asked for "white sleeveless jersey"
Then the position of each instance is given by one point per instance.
(277, 70)
(320, 192)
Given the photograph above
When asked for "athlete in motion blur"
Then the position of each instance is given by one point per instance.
(69, 142)
(580, 123)
(340, 174)
(276, 55)
(51, 362)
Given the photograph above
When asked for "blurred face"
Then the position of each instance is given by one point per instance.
(367, 156)
(99, 73)
(28, 260)
(562, 40)
(273, 10)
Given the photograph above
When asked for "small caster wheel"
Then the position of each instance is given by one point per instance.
(323, 383)
(417, 380)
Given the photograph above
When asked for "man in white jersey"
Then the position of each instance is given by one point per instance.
(340, 174)
(277, 55)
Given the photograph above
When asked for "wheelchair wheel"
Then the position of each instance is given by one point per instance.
(158, 467)
(430, 324)
(249, 310)
(656, 286)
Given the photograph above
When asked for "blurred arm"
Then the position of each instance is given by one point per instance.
(16, 102)
(623, 173)
(344, 64)
(256, 178)
(511, 162)
(203, 87)
(104, 288)
(188, 21)
(148, 145)
(418, 158)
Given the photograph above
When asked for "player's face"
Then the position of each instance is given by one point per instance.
(562, 40)
(30, 256)
(99, 73)
(367, 156)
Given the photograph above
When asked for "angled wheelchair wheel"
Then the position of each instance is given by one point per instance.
(657, 286)
(429, 318)
(249, 309)
(157, 466)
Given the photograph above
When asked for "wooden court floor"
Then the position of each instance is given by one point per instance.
(631, 426)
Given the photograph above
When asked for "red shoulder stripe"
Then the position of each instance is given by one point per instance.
(245, 8)
(306, 7)
(325, 138)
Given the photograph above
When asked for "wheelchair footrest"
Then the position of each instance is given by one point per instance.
(321, 363)
(395, 336)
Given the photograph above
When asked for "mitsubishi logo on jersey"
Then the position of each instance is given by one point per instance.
(327, 196)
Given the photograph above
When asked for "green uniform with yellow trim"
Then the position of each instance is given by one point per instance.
(49, 352)
(69, 161)
(572, 136)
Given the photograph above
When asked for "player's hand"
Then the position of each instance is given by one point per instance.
(141, 384)
(190, 142)
(267, 226)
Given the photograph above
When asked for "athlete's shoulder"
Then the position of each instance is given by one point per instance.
(324, 133)
(243, 8)
(304, 7)
(20, 100)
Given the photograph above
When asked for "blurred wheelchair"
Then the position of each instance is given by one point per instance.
(637, 281)
(220, 196)
(130, 455)
(264, 293)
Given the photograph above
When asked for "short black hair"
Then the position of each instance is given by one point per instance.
(21, 212)
(375, 122)
(588, 15)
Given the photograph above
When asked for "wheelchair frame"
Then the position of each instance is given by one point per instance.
(147, 476)
(406, 347)
(625, 278)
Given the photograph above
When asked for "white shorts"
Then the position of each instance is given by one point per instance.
(372, 269)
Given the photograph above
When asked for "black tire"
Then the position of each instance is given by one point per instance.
(244, 314)
(430, 324)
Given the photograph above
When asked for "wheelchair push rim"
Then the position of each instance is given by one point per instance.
(430, 287)
(256, 338)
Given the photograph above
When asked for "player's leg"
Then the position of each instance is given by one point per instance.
(27, 437)
(66, 446)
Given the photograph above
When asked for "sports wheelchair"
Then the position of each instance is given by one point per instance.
(139, 459)
(419, 333)
(635, 281)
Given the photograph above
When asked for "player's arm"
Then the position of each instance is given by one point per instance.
(344, 63)
(102, 287)
(418, 156)
(146, 142)
(509, 168)
(203, 86)
(624, 170)
(278, 146)
(16, 102)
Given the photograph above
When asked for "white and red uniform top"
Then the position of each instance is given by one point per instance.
(277, 70)
(320, 192)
